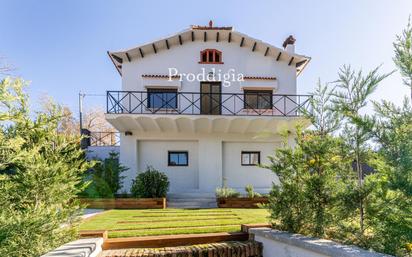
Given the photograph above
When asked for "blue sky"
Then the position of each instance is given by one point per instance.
(60, 46)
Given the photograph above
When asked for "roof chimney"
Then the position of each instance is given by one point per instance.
(288, 44)
(210, 23)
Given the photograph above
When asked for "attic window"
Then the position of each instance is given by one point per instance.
(212, 56)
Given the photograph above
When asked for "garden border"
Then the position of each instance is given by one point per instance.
(241, 202)
(124, 203)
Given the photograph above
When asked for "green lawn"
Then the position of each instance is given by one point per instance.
(127, 223)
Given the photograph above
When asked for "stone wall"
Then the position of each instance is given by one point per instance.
(283, 244)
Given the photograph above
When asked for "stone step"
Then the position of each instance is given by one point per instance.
(192, 199)
(191, 195)
(190, 204)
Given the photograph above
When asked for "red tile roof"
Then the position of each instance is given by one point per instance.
(259, 78)
(159, 76)
(210, 28)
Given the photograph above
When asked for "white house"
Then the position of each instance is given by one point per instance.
(205, 106)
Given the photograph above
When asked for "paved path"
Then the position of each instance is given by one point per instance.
(87, 213)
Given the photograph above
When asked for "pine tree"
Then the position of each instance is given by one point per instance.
(403, 55)
(41, 174)
(353, 90)
(311, 173)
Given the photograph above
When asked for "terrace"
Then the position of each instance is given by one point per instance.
(191, 112)
(193, 103)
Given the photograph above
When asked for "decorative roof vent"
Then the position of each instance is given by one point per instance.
(289, 41)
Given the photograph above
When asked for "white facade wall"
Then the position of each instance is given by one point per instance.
(213, 158)
(284, 244)
(186, 57)
(238, 176)
(155, 153)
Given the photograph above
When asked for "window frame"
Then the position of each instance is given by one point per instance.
(249, 153)
(161, 90)
(257, 92)
(214, 52)
(170, 164)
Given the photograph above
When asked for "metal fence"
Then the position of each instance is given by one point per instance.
(195, 103)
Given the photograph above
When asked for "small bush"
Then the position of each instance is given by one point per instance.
(150, 184)
(110, 170)
(226, 192)
(250, 192)
(98, 188)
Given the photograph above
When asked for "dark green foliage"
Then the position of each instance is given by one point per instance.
(105, 178)
(403, 55)
(310, 181)
(110, 171)
(150, 184)
(311, 174)
(97, 188)
(44, 175)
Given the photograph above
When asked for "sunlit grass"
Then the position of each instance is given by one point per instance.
(127, 223)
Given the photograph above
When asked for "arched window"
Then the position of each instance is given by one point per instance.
(211, 56)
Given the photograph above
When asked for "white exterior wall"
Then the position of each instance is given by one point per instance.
(211, 158)
(237, 176)
(186, 57)
(285, 250)
(155, 153)
(283, 244)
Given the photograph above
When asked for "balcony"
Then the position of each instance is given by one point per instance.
(194, 111)
(100, 138)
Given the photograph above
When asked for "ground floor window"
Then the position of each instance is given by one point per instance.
(250, 158)
(258, 99)
(162, 98)
(178, 158)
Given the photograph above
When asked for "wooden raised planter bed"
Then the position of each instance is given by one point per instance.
(241, 202)
(124, 203)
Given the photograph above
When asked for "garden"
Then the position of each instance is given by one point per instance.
(130, 223)
(324, 190)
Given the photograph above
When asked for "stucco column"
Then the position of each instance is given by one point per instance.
(210, 164)
(128, 157)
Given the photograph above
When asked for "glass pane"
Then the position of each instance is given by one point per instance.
(162, 99)
(251, 101)
(170, 100)
(217, 57)
(245, 158)
(174, 159)
(264, 101)
(254, 158)
(158, 100)
(205, 109)
(210, 56)
(204, 57)
(182, 159)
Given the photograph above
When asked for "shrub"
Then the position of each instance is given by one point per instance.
(110, 171)
(226, 192)
(98, 188)
(150, 184)
(105, 178)
(43, 171)
(250, 192)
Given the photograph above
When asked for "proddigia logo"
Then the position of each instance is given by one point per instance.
(211, 76)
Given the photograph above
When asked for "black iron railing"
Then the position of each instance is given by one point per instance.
(99, 138)
(194, 103)
(104, 138)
